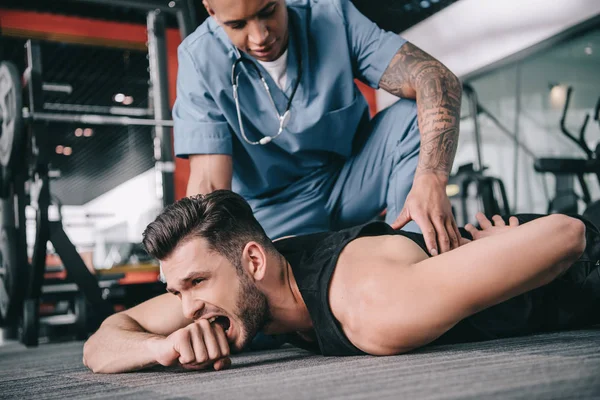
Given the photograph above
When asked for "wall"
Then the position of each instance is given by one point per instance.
(470, 35)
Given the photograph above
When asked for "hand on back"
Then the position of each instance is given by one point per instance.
(428, 205)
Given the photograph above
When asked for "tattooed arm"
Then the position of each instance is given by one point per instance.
(414, 74)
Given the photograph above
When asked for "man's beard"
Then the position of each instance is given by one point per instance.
(253, 309)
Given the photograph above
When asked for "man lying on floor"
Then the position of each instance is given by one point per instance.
(368, 289)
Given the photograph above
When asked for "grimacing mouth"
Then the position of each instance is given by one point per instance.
(222, 320)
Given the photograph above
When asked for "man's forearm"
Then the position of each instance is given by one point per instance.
(415, 74)
(118, 346)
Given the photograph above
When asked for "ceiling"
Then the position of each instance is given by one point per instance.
(113, 155)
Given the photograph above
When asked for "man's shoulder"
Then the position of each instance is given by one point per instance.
(200, 36)
(208, 38)
(333, 8)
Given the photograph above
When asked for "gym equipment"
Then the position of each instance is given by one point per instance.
(469, 190)
(592, 211)
(25, 157)
(566, 170)
(11, 104)
(13, 114)
(11, 275)
(13, 241)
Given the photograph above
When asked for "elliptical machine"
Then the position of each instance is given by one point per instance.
(566, 170)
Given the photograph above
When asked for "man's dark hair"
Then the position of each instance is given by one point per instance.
(224, 219)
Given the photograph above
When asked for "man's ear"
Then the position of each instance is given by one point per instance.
(254, 259)
(209, 10)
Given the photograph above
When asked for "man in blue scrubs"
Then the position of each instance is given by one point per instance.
(331, 166)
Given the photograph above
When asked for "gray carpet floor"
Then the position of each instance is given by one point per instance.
(562, 365)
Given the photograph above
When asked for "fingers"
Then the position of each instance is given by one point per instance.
(221, 340)
(198, 342)
(498, 220)
(513, 222)
(429, 237)
(484, 223)
(210, 340)
(443, 239)
(223, 363)
(472, 230)
(185, 349)
(200, 345)
(403, 219)
(453, 233)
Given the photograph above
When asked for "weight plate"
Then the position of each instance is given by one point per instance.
(8, 276)
(11, 107)
(11, 273)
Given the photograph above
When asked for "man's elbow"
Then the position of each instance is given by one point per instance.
(378, 342)
(385, 337)
(88, 356)
(573, 238)
(92, 357)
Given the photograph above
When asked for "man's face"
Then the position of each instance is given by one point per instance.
(210, 286)
(257, 27)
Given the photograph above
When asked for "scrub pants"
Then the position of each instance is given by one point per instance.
(378, 175)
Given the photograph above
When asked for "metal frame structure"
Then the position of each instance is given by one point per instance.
(46, 230)
(39, 169)
(159, 92)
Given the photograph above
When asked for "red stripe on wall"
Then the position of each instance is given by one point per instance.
(69, 26)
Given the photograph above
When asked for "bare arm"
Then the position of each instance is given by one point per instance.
(121, 343)
(416, 75)
(405, 307)
(209, 172)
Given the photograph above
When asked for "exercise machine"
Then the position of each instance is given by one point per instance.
(568, 170)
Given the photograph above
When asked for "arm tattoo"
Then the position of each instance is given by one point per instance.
(415, 74)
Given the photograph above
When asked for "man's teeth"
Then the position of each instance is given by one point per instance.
(213, 319)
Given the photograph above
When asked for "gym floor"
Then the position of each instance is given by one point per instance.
(557, 365)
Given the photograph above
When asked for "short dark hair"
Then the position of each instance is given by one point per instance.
(223, 218)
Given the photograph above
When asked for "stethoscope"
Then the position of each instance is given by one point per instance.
(283, 118)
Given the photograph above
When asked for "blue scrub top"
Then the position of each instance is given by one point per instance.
(337, 44)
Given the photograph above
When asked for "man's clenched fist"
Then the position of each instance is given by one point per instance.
(197, 346)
